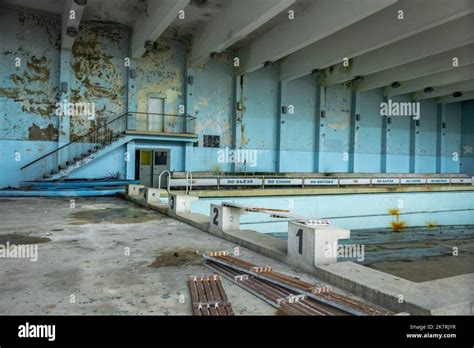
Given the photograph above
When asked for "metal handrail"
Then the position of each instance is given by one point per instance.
(187, 181)
(73, 142)
(169, 178)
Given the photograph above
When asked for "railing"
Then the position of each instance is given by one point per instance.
(82, 146)
(79, 148)
(161, 122)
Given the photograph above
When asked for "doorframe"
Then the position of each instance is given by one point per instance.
(168, 151)
(156, 96)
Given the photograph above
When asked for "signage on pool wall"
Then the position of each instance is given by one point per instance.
(438, 181)
(240, 181)
(321, 182)
(386, 181)
(414, 181)
(283, 181)
(194, 182)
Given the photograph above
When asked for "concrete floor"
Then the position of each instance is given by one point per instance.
(86, 260)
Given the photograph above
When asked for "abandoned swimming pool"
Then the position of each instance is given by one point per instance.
(399, 232)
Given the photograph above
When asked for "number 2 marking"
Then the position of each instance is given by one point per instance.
(216, 214)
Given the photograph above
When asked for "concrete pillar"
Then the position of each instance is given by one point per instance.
(179, 204)
(224, 219)
(65, 93)
(152, 195)
(132, 95)
(281, 115)
(135, 191)
(130, 161)
(314, 244)
(317, 130)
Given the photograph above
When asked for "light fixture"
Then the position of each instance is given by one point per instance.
(396, 84)
(199, 3)
(149, 45)
(457, 94)
(71, 32)
(428, 89)
(81, 2)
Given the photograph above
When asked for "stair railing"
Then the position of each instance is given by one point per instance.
(44, 167)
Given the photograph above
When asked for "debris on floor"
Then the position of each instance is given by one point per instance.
(208, 296)
(177, 257)
(289, 295)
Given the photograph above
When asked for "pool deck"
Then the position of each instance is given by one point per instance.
(453, 295)
(254, 192)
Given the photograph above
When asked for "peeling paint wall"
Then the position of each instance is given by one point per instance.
(298, 130)
(160, 74)
(335, 128)
(29, 92)
(213, 110)
(99, 74)
(368, 133)
(452, 137)
(257, 121)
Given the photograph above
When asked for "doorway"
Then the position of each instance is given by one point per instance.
(149, 164)
(161, 162)
(144, 166)
(156, 110)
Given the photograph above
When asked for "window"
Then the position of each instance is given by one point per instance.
(161, 158)
(212, 141)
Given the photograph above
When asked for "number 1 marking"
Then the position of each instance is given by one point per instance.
(299, 234)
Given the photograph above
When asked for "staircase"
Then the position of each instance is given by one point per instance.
(60, 162)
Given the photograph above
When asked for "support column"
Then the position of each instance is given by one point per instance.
(233, 117)
(282, 110)
(65, 92)
(130, 161)
(352, 131)
(317, 130)
(440, 115)
(414, 143)
(385, 133)
(132, 95)
(188, 126)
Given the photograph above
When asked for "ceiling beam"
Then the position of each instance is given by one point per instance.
(453, 75)
(71, 19)
(419, 68)
(450, 99)
(441, 91)
(324, 18)
(445, 37)
(378, 30)
(149, 26)
(237, 20)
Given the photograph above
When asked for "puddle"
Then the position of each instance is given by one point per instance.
(177, 257)
(18, 239)
(114, 216)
